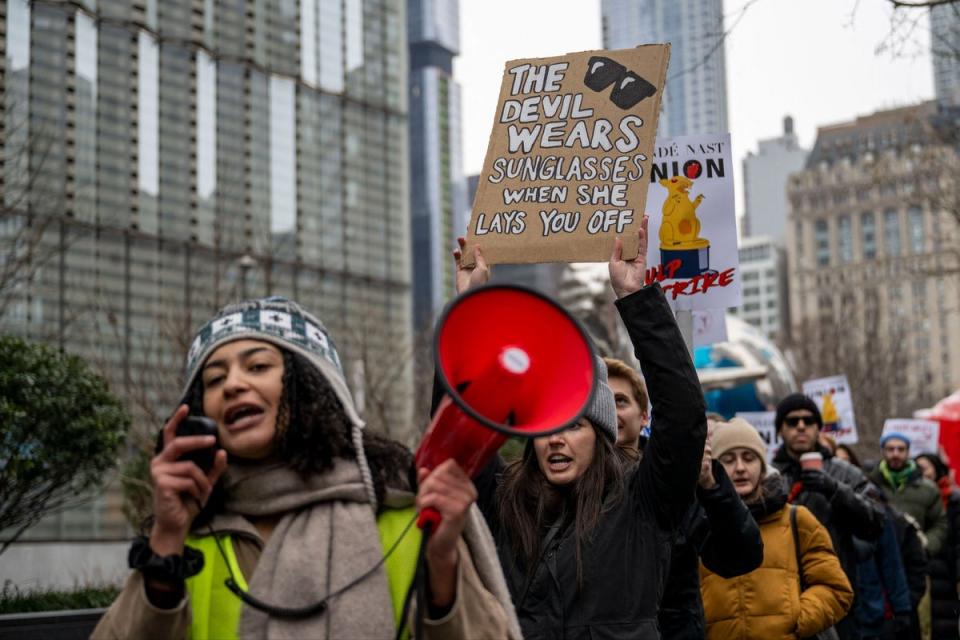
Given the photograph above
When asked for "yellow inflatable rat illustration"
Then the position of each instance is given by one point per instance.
(831, 419)
(680, 243)
(680, 228)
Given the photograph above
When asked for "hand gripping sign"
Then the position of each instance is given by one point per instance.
(569, 157)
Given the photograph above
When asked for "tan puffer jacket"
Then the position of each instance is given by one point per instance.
(767, 603)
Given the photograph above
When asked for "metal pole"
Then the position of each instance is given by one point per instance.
(685, 322)
(246, 263)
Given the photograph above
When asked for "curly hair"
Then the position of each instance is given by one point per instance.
(313, 430)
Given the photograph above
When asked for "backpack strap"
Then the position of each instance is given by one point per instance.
(796, 546)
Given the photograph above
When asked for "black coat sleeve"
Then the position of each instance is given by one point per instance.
(733, 545)
(853, 509)
(914, 563)
(667, 475)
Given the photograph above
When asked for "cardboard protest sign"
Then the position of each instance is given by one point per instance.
(693, 227)
(709, 327)
(924, 434)
(765, 424)
(567, 164)
(833, 397)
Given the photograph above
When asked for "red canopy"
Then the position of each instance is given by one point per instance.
(948, 408)
(947, 413)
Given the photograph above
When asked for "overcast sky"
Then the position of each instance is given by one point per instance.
(816, 60)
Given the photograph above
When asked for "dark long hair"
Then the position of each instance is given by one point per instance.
(528, 502)
(313, 430)
(939, 467)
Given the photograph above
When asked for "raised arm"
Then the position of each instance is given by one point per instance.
(671, 463)
(730, 527)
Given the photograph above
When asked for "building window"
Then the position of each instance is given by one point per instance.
(915, 216)
(206, 146)
(148, 129)
(330, 49)
(846, 239)
(868, 234)
(822, 240)
(86, 114)
(308, 41)
(891, 231)
(918, 289)
(283, 156)
(354, 31)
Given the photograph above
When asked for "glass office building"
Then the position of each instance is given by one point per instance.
(695, 100)
(438, 189)
(945, 51)
(164, 157)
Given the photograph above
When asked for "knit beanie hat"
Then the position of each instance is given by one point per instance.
(602, 412)
(285, 324)
(894, 435)
(738, 433)
(794, 402)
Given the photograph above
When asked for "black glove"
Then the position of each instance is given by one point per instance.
(817, 480)
(901, 626)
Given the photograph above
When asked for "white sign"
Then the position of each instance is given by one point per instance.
(765, 424)
(692, 250)
(924, 434)
(833, 397)
(709, 327)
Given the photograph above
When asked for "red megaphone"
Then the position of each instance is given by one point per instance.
(511, 363)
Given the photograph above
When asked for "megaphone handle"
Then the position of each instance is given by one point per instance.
(429, 516)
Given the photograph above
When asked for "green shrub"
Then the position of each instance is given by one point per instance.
(13, 600)
(61, 432)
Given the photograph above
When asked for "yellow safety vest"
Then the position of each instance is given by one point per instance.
(216, 610)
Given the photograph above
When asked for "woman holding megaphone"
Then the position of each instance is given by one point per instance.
(583, 534)
(285, 518)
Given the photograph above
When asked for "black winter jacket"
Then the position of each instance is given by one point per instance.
(719, 531)
(848, 513)
(945, 574)
(626, 559)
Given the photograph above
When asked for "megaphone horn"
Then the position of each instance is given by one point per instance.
(511, 362)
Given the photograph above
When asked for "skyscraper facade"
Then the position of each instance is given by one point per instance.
(945, 50)
(765, 174)
(763, 228)
(695, 99)
(763, 273)
(438, 190)
(165, 157)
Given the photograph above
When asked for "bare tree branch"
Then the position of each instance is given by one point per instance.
(922, 4)
(720, 41)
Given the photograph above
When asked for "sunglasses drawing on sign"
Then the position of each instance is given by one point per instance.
(628, 87)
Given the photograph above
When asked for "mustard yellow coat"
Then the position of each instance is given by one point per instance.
(766, 603)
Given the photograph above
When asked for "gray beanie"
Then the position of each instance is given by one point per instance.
(602, 412)
(283, 323)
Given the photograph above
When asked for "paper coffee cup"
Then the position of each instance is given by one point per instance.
(812, 460)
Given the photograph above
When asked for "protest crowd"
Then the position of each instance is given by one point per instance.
(667, 523)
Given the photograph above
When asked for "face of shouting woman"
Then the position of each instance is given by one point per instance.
(242, 392)
(565, 456)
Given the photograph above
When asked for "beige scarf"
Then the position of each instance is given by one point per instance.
(326, 538)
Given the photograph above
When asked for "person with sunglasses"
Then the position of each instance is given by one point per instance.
(836, 492)
(300, 523)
